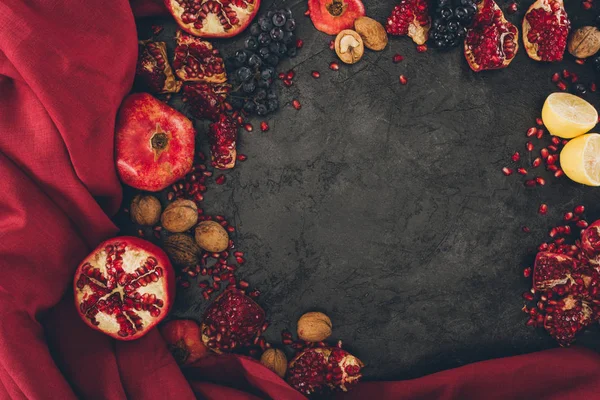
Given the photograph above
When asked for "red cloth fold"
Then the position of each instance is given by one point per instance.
(65, 66)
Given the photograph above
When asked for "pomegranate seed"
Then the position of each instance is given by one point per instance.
(281, 75)
(403, 80)
(551, 159)
(568, 216)
(290, 75)
(536, 163)
(580, 61)
(316, 74)
(553, 148)
(579, 210)
(422, 48)
(593, 87)
(522, 171)
(296, 104)
(540, 133)
(287, 83)
(219, 180)
(527, 272)
(156, 29)
(242, 157)
(248, 127)
(543, 209)
(559, 173)
(516, 156)
(555, 140)
(529, 146)
(397, 58)
(264, 126)
(526, 229)
(574, 77)
(512, 8)
(553, 232)
(507, 171)
(306, 13)
(544, 153)
(539, 121)
(528, 296)
(561, 85)
(565, 74)
(556, 77)
(587, 5)
(332, 45)
(540, 181)
(299, 43)
(334, 66)
(582, 224)
(531, 131)
(530, 183)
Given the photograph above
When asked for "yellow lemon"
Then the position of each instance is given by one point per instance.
(568, 116)
(580, 159)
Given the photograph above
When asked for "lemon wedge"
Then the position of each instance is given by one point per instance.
(580, 159)
(568, 116)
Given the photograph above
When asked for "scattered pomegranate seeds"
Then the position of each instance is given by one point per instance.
(582, 224)
(248, 127)
(219, 180)
(528, 296)
(281, 75)
(299, 43)
(403, 80)
(527, 272)
(543, 209)
(587, 5)
(264, 126)
(574, 77)
(561, 85)
(526, 229)
(241, 157)
(556, 77)
(559, 173)
(287, 83)
(566, 74)
(316, 74)
(296, 104)
(516, 156)
(290, 75)
(568, 216)
(531, 131)
(332, 45)
(544, 153)
(307, 13)
(529, 146)
(530, 183)
(540, 133)
(539, 121)
(512, 8)
(580, 61)
(334, 66)
(593, 87)
(579, 210)
(522, 171)
(156, 29)
(536, 163)
(540, 181)
(507, 171)
(397, 58)
(422, 48)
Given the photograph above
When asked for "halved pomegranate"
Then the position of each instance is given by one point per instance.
(124, 287)
(154, 143)
(213, 18)
(545, 30)
(153, 71)
(222, 136)
(233, 320)
(552, 269)
(590, 242)
(206, 100)
(317, 370)
(196, 60)
(184, 339)
(492, 41)
(566, 318)
(410, 17)
(333, 16)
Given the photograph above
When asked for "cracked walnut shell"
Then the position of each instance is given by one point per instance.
(349, 46)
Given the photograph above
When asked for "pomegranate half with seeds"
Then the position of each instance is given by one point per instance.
(590, 242)
(197, 60)
(213, 18)
(206, 100)
(153, 71)
(154, 143)
(333, 16)
(568, 317)
(124, 287)
(491, 41)
(545, 30)
(317, 370)
(410, 17)
(551, 269)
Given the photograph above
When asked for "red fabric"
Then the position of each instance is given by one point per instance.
(64, 69)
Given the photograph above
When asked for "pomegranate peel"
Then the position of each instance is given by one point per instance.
(197, 60)
(410, 17)
(153, 70)
(333, 16)
(184, 340)
(545, 30)
(206, 100)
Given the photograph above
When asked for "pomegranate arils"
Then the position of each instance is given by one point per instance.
(316, 74)
(219, 180)
(579, 210)
(536, 163)
(222, 137)
(507, 171)
(540, 181)
(153, 71)
(206, 100)
(556, 77)
(410, 17)
(543, 209)
(264, 126)
(195, 60)
(422, 48)
(545, 31)
(522, 171)
(334, 66)
(403, 80)
(529, 146)
(531, 131)
(397, 58)
(242, 157)
(296, 104)
(299, 43)
(248, 127)
(516, 156)
(527, 272)
(512, 8)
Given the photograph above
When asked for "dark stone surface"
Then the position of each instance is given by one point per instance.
(384, 205)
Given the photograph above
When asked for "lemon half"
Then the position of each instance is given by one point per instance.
(567, 116)
(580, 159)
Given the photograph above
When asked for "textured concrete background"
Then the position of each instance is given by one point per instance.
(384, 205)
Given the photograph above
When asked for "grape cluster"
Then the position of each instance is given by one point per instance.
(451, 18)
(252, 70)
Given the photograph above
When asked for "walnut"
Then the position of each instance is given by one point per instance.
(584, 42)
(211, 236)
(275, 360)
(181, 249)
(179, 216)
(349, 46)
(372, 33)
(145, 210)
(314, 327)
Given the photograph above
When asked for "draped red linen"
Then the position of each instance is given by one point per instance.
(65, 66)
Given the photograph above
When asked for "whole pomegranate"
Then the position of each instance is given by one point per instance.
(124, 287)
(154, 143)
(184, 339)
(333, 16)
(213, 18)
(492, 41)
(410, 17)
(317, 370)
(545, 30)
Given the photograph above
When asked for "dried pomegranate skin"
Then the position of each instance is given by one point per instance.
(233, 320)
(184, 339)
(154, 144)
(124, 287)
(410, 17)
(546, 30)
(153, 70)
(205, 100)
(333, 16)
(197, 60)
(492, 41)
(222, 136)
(213, 18)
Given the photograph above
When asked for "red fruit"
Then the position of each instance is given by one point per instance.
(410, 17)
(317, 370)
(124, 287)
(153, 71)
(492, 41)
(184, 341)
(334, 66)
(552, 269)
(206, 100)
(397, 58)
(196, 60)
(154, 144)
(569, 316)
(333, 16)
(590, 242)
(296, 104)
(233, 320)
(264, 126)
(403, 80)
(222, 136)
(213, 18)
(219, 180)
(545, 30)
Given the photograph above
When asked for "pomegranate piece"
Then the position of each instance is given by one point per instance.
(213, 18)
(333, 16)
(551, 270)
(153, 71)
(124, 287)
(222, 136)
(492, 41)
(317, 370)
(206, 100)
(590, 242)
(233, 320)
(545, 30)
(568, 317)
(154, 144)
(410, 17)
(196, 60)
(184, 340)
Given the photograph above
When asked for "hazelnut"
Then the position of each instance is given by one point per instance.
(584, 42)
(372, 33)
(145, 210)
(211, 236)
(349, 46)
(275, 360)
(179, 216)
(314, 327)
(181, 249)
